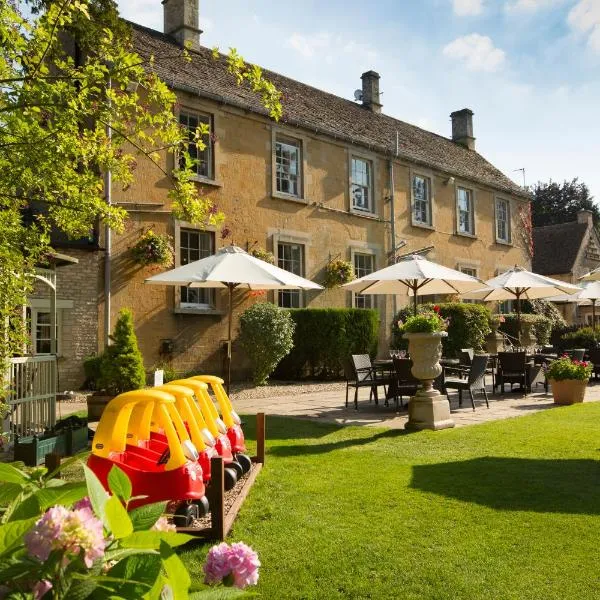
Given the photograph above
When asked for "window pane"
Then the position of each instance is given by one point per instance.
(195, 245)
(361, 185)
(421, 199)
(287, 164)
(364, 264)
(291, 258)
(203, 158)
(465, 211)
(502, 221)
(43, 335)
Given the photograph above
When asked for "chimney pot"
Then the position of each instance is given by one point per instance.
(462, 128)
(181, 21)
(370, 91)
(585, 216)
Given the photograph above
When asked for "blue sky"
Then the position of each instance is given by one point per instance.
(529, 69)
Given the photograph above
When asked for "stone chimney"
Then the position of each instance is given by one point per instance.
(462, 128)
(181, 21)
(370, 91)
(585, 216)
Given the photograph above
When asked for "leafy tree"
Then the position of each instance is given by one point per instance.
(558, 203)
(66, 73)
(122, 366)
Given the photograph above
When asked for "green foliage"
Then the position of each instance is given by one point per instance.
(92, 367)
(559, 203)
(565, 368)
(263, 254)
(541, 326)
(122, 367)
(468, 326)
(546, 309)
(338, 272)
(54, 145)
(426, 322)
(154, 249)
(325, 338)
(586, 337)
(266, 334)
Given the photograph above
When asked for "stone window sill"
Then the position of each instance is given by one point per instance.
(364, 214)
(423, 225)
(289, 197)
(206, 181)
(504, 243)
(471, 236)
(179, 310)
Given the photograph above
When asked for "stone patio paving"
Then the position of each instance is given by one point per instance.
(325, 402)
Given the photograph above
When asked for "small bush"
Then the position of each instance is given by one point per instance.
(585, 337)
(469, 325)
(325, 338)
(565, 368)
(430, 322)
(92, 367)
(122, 366)
(541, 326)
(546, 309)
(266, 334)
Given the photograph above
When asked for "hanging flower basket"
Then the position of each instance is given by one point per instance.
(263, 254)
(338, 272)
(153, 249)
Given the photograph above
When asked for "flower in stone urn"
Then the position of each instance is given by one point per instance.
(424, 333)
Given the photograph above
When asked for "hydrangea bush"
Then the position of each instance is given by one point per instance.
(61, 541)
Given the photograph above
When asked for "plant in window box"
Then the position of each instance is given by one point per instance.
(338, 272)
(568, 379)
(263, 254)
(153, 249)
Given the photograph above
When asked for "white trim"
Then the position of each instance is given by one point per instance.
(472, 234)
(282, 133)
(212, 166)
(33, 329)
(412, 173)
(498, 198)
(355, 249)
(45, 303)
(370, 159)
(290, 240)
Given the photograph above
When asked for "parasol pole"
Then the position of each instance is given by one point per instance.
(230, 286)
(594, 314)
(414, 289)
(518, 295)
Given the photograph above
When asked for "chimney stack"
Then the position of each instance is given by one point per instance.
(462, 128)
(585, 216)
(370, 91)
(181, 21)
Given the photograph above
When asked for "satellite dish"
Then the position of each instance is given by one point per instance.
(358, 95)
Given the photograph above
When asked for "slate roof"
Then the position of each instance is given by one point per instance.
(555, 247)
(307, 107)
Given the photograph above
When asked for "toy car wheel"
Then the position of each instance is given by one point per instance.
(230, 478)
(235, 466)
(186, 514)
(244, 461)
(203, 506)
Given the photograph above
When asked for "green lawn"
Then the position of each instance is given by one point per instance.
(504, 510)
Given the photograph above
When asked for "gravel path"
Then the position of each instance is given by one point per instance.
(247, 391)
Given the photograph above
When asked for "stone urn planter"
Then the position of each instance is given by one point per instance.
(96, 404)
(494, 342)
(427, 409)
(568, 391)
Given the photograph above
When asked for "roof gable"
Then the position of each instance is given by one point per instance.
(317, 111)
(556, 247)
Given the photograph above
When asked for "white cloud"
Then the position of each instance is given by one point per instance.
(585, 18)
(523, 6)
(467, 8)
(326, 46)
(477, 52)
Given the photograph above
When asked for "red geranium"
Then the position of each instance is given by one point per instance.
(436, 308)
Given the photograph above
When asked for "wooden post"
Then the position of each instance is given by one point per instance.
(260, 438)
(217, 498)
(52, 462)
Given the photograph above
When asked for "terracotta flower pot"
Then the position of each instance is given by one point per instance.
(568, 391)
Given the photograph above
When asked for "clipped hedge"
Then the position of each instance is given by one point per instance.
(469, 326)
(541, 326)
(585, 337)
(326, 337)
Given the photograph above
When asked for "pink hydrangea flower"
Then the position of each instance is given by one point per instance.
(40, 589)
(237, 564)
(70, 531)
(83, 503)
(163, 525)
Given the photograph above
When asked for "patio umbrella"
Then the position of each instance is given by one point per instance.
(231, 268)
(518, 283)
(415, 275)
(589, 292)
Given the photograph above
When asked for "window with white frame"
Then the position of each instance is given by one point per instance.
(195, 244)
(41, 331)
(506, 307)
(502, 220)
(421, 192)
(473, 273)
(361, 189)
(364, 264)
(203, 158)
(465, 211)
(291, 258)
(288, 166)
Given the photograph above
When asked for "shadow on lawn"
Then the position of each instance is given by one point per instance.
(286, 428)
(308, 449)
(539, 485)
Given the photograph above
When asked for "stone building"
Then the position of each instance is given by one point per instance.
(333, 179)
(566, 251)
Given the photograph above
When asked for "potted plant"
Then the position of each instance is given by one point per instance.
(568, 379)
(428, 409)
(153, 249)
(121, 366)
(338, 272)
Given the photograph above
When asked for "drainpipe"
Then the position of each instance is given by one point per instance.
(108, 240)
(393, 227)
